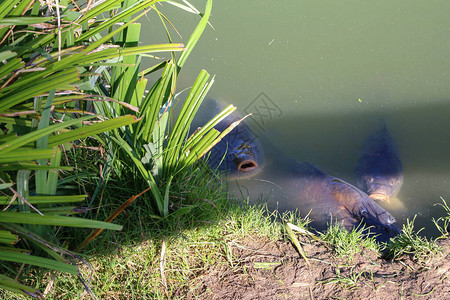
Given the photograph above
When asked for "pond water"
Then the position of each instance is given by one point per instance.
(320, 76)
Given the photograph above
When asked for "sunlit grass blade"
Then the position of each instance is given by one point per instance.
(296, 243)
(6, 6)
(90, 130)
(26, 89)
(166, 197)
(153, 102)
(11, 65)
(196, 34)
(200, 147)
(121, 16)
(221, 136)
(184, 120)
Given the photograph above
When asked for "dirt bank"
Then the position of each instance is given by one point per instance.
(263, 269)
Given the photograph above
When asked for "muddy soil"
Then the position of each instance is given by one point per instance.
(263, 269)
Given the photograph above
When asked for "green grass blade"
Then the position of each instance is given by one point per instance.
(33, 136)
(210, 125)
(33, 86)
(4, 200)
(200, 147)
(196, 34)
(91, 130)
(11, 21)
(10, 66)
(184, 120)
(23, 189)
(122, 16)
(42, 143)
(6, 237)
(6, 6)
(63, 210)
(10, 284)
(38, 261)
(25, 155)
(29, 165)
(166, 197)
(153, 102)
(32, 218)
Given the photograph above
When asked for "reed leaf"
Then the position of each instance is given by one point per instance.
(33, 136)
(38, 261)
(25, 155)
(91, 130)
(33, 218)
(6, 237)
(4, 200)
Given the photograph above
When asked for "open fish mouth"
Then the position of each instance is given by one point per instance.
(379, 197)
(247, 166)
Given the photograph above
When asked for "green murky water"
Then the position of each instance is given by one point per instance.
(320, 76)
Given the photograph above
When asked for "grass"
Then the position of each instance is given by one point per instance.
(347, 282)
(411, 243)
(443, 223)
(346, 244)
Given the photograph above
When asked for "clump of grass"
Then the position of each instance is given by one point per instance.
(348, 243)
(294, 217)
(347, 282)
(445, 220)
(245, 218)
(411, 243)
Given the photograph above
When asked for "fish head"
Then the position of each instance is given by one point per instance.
(381, 187)
(246, 158)
(358, 208)
(379, 170)
(381, 223)
(238, 153)
(239, 158)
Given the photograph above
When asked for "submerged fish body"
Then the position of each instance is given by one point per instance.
(330, 199)
(239, 153)
(379, 170)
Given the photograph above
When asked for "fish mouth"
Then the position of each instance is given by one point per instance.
(379, 197)
(247, 166)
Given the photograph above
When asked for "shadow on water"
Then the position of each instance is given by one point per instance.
(333, 142)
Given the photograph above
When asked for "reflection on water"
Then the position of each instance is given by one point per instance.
(319, 77)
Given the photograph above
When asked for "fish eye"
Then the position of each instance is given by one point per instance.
(370, 179)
